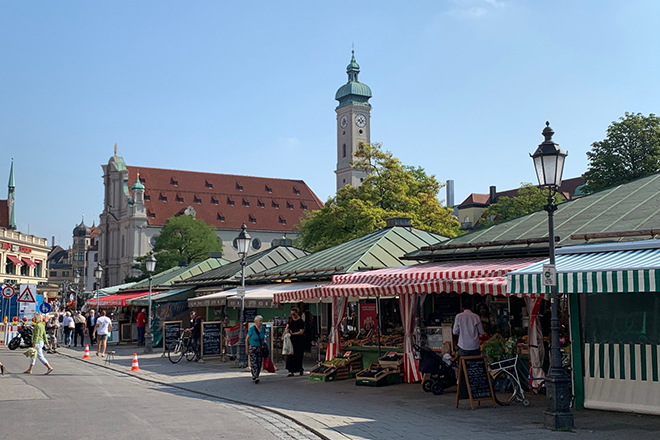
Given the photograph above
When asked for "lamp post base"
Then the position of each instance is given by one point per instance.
(558, 415)
(242, 355)
(149, 344)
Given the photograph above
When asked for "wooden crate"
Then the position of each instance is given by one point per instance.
(392, 361)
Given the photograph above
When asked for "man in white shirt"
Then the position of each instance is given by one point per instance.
(102, 329)
(467, 326)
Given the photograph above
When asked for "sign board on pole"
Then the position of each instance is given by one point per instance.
(28, 293)
(44, 308)
(240, 292)
(8, 291)
(549, 275)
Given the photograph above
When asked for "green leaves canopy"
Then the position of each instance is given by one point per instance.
(530, 198)
(630, 151)
(391, 189)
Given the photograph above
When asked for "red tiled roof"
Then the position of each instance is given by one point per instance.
(475, 199)
(225, 201)
(4, 214)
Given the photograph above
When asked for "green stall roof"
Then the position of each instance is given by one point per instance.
(179, 273)
(163, 296)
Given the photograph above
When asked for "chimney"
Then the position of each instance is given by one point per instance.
(493, 195)
(52, 241)
(285, 242)
(403, 222)
(215, 254)
(450, 194)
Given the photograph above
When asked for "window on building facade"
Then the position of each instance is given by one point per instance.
(282, 220)
(252, 219)
(179, 198)
(261, 204)
(230, 202)
(147, 198)
(246, 203)
(275, 205)
(174, 182)
(239, 186)
(209, 185)
(289, 205)
(296, 191)
(269, 189)
(81, 255)
(303, 206)
(221, 217)
(256, 244)
(53, 274)
(214, 200)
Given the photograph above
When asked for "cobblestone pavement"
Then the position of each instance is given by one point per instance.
(340, 410)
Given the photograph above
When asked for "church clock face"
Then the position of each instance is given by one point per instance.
(360, 120)
(343, 122)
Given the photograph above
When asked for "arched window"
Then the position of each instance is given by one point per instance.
(343, 150)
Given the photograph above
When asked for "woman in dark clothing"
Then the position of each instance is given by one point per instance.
(296, 328)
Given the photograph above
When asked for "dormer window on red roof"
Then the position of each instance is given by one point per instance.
(214, 200)
(239, 186)
(230, 202)
(147, 198)
(208, 184)
(179, 198)
(246, 203)
(289, 205)
(162, 197)
(275, 205)
(269, 189)
(261, 204)
(197, 200)
(282, 220)
(296, 191)
(174, 182)
(252, 219)
(221, 217)
(303, 206)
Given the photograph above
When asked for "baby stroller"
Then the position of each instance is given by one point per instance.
(437, 374)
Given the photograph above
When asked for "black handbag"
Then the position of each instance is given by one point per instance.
(264, 350)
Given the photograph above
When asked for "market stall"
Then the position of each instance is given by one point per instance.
(118, 309)
(408, 284)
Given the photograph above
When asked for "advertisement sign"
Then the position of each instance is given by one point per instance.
(368, 316)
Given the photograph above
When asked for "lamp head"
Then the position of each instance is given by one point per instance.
(98, 272)
(243, 241)
(549, 160)
(151, 263)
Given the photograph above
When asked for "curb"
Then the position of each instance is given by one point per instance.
(202, 393)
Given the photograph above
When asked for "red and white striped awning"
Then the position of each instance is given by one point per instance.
(487, 277)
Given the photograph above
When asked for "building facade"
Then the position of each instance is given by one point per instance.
(138, 202)
(353, 125)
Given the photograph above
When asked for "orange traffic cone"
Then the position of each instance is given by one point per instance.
(86, 352)
(135, 366)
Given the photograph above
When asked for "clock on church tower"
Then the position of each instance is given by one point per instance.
(353, 124)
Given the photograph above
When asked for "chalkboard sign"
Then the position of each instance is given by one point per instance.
(171, 333)
(211, 339)
(250, 314)
(474, 380)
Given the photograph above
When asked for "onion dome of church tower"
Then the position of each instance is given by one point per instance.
(82, 230)
(138, 184)
(353, 92)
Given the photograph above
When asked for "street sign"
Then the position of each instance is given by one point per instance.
(549, 275)
(44, 308)
(8, 291)
(240, 292)
(28, 293)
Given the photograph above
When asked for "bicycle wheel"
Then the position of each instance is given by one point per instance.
(505, 388)
(175, 353)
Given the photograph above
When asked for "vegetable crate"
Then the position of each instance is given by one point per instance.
(392, 361)
(377, 376)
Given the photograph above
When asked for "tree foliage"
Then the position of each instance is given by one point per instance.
(530, 199)
(630, 151)
(390, 189)
(183, 239)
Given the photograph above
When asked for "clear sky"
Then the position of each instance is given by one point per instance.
(461, 87)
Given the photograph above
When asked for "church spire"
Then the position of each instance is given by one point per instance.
(353, 68)
(10, 197)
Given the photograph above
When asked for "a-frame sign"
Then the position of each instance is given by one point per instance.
(26, 294)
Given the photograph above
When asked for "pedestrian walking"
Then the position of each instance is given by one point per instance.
(69, 326)
(79, 329)
(52, 327)
(467, 326)
(39, 340)
(254, 341)
(91, 323)
(196, 326)
(141, 325)
(102, 329)
(296, 328)
(2, 369)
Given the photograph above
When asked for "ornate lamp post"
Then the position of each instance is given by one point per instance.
(98, 273)
(243, 244)
(149, 339)
(76, 282)
(549, 164)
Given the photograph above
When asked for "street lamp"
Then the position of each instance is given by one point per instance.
(549, 164)
(243, 245)
(149, 339)
(76, 281)
(98, 273)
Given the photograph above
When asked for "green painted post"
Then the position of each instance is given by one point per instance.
(576, 350)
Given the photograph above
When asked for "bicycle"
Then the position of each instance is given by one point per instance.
(506, 385)
(182, 347)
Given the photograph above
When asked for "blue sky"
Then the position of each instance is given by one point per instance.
(461, 87)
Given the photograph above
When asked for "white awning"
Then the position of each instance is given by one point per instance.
(262, 295)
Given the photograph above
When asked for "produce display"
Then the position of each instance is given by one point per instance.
(373, 371)
(372, 341)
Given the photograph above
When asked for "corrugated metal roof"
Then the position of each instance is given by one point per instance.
(164, 296)
(170, 276)
(259, 262)
(379, 249)
(629, 207)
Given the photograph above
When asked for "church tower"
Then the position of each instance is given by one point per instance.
(10, 198)
(353, 124)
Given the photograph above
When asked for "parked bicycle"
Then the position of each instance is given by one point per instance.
(182, 347)
(506, 384)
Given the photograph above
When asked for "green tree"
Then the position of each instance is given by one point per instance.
(530, 198)
(183, 239)
(390, 189)
(630, 151)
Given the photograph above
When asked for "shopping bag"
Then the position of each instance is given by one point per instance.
(31, 352)
(268, 365)
(287, 346)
